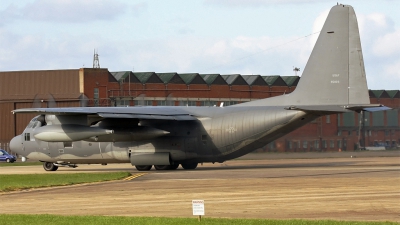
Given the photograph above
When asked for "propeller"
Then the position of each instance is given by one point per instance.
(140, 99)
(51, 102)
(170, 100)
(83, 100)
(37, 102)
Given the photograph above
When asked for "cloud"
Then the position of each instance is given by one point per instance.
(254, 3)
(387, 44)
(68, 11)
(381, 49)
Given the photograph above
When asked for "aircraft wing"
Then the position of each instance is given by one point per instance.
(151, 113)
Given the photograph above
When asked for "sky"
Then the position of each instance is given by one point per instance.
(265, 37)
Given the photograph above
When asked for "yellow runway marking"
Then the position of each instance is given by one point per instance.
(134, 176)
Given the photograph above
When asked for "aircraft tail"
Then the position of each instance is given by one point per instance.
(334, 74)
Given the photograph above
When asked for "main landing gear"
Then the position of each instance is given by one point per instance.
(49, 166)
(186, 166)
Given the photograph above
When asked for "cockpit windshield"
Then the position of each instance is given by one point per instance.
(37, 121)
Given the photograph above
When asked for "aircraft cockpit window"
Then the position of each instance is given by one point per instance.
(37, 124)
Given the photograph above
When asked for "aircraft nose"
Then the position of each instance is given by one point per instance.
(16, 145)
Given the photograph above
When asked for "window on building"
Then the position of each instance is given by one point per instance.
(233, 102)
(332, 144)
(316, 143)
(192, 103)
(348, 119)
(311, 144)
(339, 143)
(161, 102)
(122, 102)
(386, 132)
(339, 133)
(96, 96)
(324, 144)
(392, 118)
(378, 119)
(328, 119)
(209, 103)
(305, 144)
(289, 145)
(349, 133)
(148, 102)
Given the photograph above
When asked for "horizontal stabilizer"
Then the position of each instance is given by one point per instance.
(338, 108)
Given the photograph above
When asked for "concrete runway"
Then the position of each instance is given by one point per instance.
(328, 188)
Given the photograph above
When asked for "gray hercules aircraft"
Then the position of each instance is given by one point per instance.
(333, 82)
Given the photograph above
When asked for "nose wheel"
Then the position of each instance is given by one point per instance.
(48, 166)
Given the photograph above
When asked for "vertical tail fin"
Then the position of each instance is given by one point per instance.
(334, 74)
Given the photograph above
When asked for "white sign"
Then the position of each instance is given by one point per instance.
(198, 207)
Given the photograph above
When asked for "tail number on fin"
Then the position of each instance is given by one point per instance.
(335, 81)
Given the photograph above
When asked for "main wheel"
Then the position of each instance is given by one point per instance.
(162, 167)
(189, 166)
(48, 166)
(143, 168)
(173, 166)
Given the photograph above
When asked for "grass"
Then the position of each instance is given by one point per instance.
(4, 164)
(65, 220)
(12, 182)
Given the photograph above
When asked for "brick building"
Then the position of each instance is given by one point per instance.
(99, 87)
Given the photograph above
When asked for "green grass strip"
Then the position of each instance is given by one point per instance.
(115, 220)
(12, 182)
(4, 164)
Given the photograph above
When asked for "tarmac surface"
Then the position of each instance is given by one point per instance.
(351, 188)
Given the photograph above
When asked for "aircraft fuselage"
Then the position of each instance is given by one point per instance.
(219, 134)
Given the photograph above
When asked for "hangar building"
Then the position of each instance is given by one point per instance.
(99, 87)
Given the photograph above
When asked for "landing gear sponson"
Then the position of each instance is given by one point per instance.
(186, 166)
(49, 166)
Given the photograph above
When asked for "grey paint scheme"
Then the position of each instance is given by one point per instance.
(333, 81)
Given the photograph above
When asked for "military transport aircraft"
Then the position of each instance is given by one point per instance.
(333, 82)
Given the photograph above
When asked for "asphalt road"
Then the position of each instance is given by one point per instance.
(361, 188)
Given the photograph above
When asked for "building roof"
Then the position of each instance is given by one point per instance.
(291, 80)
(121, 75)
(254, 80)
(170, 78)
(192, 78)
(213, 79)
(234, 79)
(148, 77)
(274, 80)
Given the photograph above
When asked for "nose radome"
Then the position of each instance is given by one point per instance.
(16, 145)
